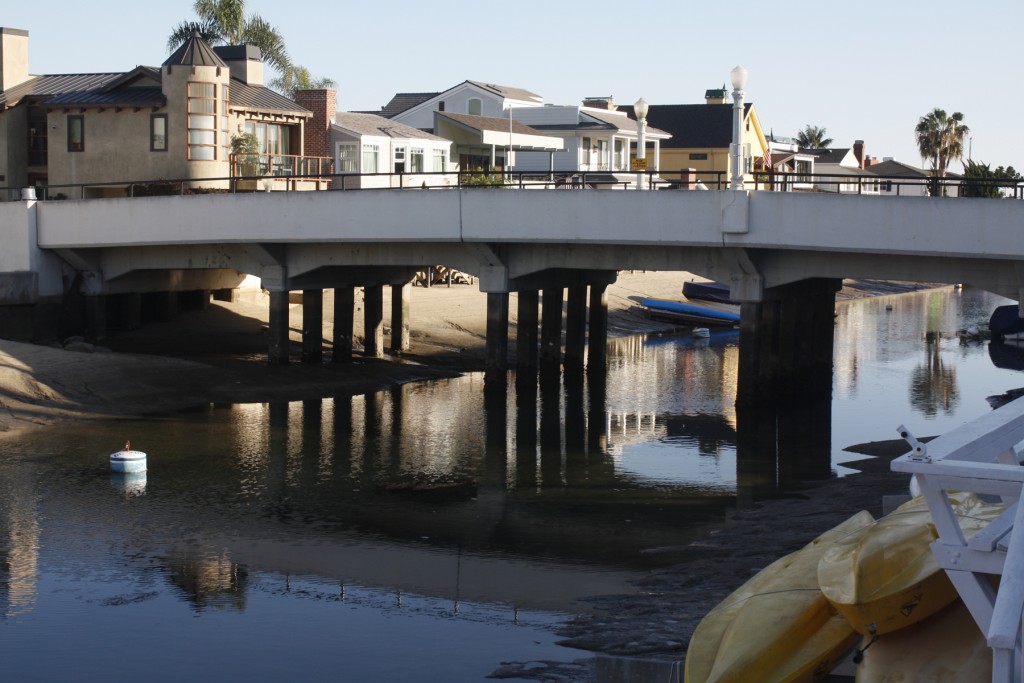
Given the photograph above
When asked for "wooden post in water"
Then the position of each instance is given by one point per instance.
(526, 330)
(401, 300)
(312, 325)
(344, 307)
(373, 321)
(551, 327)
(576, 326)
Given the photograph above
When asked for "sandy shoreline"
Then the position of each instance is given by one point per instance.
(219, 355)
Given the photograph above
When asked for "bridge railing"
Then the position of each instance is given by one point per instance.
(300, 174)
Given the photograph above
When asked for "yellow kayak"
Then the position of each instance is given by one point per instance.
(947, 647)
(777, 627)
(884, 577)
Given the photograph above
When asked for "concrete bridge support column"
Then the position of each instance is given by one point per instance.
(551, 327)
(786, 343)
(95, 317)
(312, 325)
(277, 349)
(373, 321)
(401, 300)
(129, 311)
(497, 332)
(526, 330)
(598, 328)
(576, 326)
(344, 307)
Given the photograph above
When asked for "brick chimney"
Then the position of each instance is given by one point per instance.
(324, 105)
(858, 151)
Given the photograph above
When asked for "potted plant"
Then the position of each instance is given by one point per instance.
(245, 150)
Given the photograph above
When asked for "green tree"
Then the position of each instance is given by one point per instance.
(295, 78)
(224, 22)
(982, 181)
(940, 138)
(813, 137)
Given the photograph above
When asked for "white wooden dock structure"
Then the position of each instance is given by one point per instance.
(983, 457)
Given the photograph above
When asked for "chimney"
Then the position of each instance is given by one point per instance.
(600, 103)
(245, 62)
(716, 96)
(858, 151)
(13, 57)
(324, 105)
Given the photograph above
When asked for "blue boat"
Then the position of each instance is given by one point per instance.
(689, 313)
(707, 291)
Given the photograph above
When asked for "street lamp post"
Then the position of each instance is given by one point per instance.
(738, 76)
(640, 109)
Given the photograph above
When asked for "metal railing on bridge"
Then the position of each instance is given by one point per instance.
(292, 173)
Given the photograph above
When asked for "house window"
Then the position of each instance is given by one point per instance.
(440, 159)
(474, 106)
(225, 138)
(620, 159)
(416, 160)
(399, 159)
(585, 149)
(76, 133)
(702, 156)
(273, 138)
(371, 153)
(748, 161)
(348, 158)
(886, 186)
(158, 132)
(202, 121)
(602, 154)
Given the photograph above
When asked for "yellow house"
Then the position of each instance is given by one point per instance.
(701, 136)
(88, 135)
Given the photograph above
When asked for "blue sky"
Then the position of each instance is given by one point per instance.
(863, 71)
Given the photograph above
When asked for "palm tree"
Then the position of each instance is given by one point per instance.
(813, 137)
(941, 138)
(224, 22)
(294, 78)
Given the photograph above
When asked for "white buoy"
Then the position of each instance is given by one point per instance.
(128, 460)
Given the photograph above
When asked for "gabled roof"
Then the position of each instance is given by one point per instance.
(41, 87)
(506, 91)
(620, 121)
(894, 168)
(489, 130)
(404, 101)
(692, 125)
(195, 52)
(373, 124)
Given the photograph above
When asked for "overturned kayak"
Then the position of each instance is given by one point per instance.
(778, 624)
(885, 577)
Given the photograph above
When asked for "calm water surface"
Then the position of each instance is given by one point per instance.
(425, 533)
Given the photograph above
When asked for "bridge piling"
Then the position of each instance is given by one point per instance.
(497, 332)
(344, 310)
(277, 345)
(598, 328)
(312, 325)
(551, 326)
(576, 326)
(401, 302)
(373, 321)
(526, 330)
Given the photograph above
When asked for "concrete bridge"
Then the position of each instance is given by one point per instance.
(783, 255)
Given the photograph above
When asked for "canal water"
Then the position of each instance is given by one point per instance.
(429, 532)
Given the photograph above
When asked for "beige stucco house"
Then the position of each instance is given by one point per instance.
(93, 135)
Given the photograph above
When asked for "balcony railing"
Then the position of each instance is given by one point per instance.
(255, 166)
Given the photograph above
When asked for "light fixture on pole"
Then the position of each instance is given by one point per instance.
(738, 76)
(640, 109)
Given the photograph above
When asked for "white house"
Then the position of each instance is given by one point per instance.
(598, 138)
(469, 97)
(490, 144)
(904, 180)
(843, 169)
(367, 143)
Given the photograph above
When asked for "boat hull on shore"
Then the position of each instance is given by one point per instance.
(778, 624)
(681, 311)
(884, 577)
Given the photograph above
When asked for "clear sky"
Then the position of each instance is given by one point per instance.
(862, 70)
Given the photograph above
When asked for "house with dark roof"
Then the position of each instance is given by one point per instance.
(701, 135)
(898, 179)
(841, 170)
(89, 134)
(368, 143)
